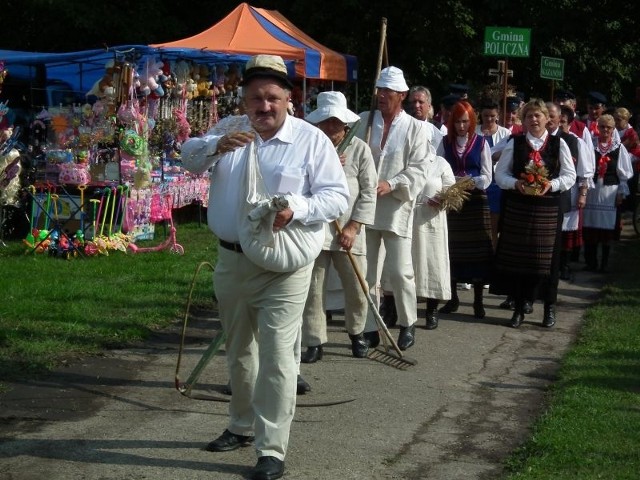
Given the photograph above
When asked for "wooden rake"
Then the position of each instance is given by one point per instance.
(390, 354)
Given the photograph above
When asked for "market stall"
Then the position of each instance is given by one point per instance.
(117, 117)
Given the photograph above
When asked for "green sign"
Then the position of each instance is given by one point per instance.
(552, 68)
(507, 42)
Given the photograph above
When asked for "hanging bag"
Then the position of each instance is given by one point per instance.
(290, 248)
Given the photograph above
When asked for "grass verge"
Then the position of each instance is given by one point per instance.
(591, 429)
(54, 309)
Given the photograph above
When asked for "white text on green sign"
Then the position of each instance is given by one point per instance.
(552, 68)
(507, 42)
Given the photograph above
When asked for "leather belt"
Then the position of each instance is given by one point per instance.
(235, 247)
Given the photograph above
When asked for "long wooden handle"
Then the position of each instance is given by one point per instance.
(381, 54)
(365, 288)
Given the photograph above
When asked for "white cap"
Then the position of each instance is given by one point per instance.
(332, 104)
(393, 79)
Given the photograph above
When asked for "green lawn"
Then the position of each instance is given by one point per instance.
(591, 429)
(53, 309)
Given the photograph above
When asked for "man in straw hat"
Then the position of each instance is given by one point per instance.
(333, 117)
(261, 309)
(400, 149)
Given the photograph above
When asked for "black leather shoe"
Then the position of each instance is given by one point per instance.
(432, 320)
(268, 468)
(359, 346)
(508, 304)
(302, 386)
(312, 355)
(517, 319)
(451, 306)
(372, 338)
(229, 441)
(478, 310)
(407, 337)
(527, 308)
(549, 318)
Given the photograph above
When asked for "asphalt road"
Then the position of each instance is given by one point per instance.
(457, 414)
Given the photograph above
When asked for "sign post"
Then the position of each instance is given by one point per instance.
(506, 42)
(552, 69)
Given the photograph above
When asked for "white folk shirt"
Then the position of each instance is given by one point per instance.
(402, 163)
(564, 181)
(299, 160)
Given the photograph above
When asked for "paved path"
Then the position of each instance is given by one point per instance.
(468, 402)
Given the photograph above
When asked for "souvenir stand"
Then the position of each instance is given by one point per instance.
(124, 141)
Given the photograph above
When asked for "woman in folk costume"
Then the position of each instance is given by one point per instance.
(430, 246)
(527, 257)
(613, 169)
(470, 248)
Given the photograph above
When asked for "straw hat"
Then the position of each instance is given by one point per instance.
(332, 104)
(270, 66)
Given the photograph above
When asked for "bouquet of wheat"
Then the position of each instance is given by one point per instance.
(453, 197)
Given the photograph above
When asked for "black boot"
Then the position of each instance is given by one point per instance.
(453, 304)
(518, 314)
(549, 319)
(407, 337)
(478, 307)
(359, 345)
(590, 257)
(388, 310)
(432, 313)
(605, 258)
(312, 355)
(508, 303)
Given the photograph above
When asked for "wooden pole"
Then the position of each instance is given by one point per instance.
(505, 85)
(381, 52)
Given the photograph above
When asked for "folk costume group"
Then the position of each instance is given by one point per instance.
(292, 198)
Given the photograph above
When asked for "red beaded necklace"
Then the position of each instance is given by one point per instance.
(603, 149)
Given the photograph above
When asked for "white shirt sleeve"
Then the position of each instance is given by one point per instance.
(486, 166)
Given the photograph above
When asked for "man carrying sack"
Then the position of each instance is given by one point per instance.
(266, 153)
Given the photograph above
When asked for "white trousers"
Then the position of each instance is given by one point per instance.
(398, 268)
(261, 313)
(314, 321)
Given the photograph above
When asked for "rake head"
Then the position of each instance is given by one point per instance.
(392, 359)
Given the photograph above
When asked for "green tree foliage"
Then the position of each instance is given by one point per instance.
(435, 43)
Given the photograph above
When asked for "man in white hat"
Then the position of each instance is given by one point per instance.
(400, 150)
(261, 309)
(334, 118)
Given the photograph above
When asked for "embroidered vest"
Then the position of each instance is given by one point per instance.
(550, 155)
(611, 174)
(470, 161)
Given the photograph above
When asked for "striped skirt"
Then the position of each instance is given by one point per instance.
(470, 248)
(527, 255)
